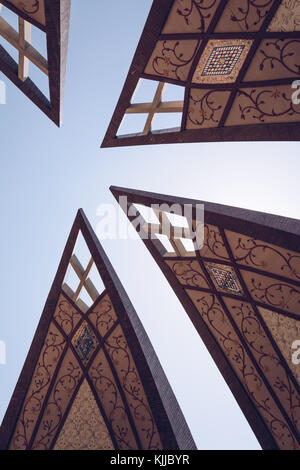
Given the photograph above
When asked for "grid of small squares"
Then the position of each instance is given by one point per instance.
(225, 279)
(222, 60)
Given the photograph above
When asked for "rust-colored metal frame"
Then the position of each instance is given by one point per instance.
(171, 424)
(281, 231)
(151, 34)
(57, 13)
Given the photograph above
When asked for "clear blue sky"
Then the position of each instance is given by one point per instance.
(48, 173)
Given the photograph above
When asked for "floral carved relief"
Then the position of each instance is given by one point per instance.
(122, 359)
(172, 58)
(264, 105)
(189, 16)
(66, 316)
(264, 256)
(188, 273)
(213, 246)
(275, 59)
(244, 15)
(103, 316)
(257, 8)
(218, 323)
(206, 108)
(267, 358)
(44, 371)
(112, 403)
(33, 8)
(61, 394)
(285, 53)
(273, 292)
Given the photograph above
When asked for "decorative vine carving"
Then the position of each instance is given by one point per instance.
(202, 7)
(171, 60)
(52, 350)
(130, 381)
(213, 243)
(189, 273)
(66, 316)
(55, 409)
(114, 409)
(205, 108)
(260, 9)
(254, 253)
(216, 319)
(260, 106)
(278, 294)
(285, 52)
(34, 7)
(267, 358)
(103, 316)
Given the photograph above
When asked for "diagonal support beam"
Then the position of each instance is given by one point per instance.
(83, 278)
(156, 102)
(24, 37)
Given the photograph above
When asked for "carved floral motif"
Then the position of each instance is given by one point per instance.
(120, 354)
(214, 246)
(173, 58)
(271, 365)
(33, 8)
(112, 403)
(273, 292)
(103, 316)
(66, 316)
(30, 9)
(220, 326)
(190, 16)
(61, 394)
(44, 371)
(264, 256)
(250, 14)
(259, 105)
(281, 52)
(189, 273)
(206, 108)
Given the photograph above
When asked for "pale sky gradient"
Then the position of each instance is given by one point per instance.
(48, 173)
